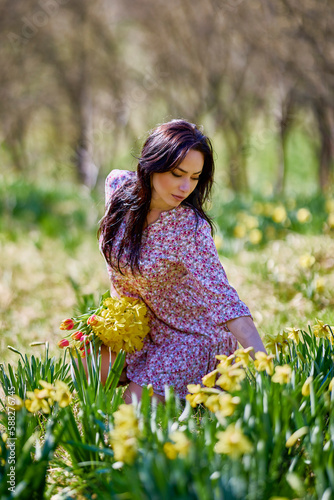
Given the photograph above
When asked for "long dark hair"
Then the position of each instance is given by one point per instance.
(164, 149)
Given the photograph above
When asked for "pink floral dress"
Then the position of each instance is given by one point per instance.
(187, 295)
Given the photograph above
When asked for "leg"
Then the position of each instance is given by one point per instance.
(106, 356)
(135, 389)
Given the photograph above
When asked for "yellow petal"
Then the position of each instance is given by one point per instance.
(209, 380)
(295, 436)
(306, 389)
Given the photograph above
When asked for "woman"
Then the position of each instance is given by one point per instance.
(156, 239)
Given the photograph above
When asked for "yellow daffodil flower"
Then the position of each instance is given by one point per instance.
(225, 360)
(48, 388)
(279, 214)
(226, 404)
(194, 388)
(281, 340)
(58, 392)
(293, 334)
(233, 442)
(303, 215)
(319, 285)
(198, 394)
(124, 436)
(250, 222)
(209, 380)
(214, 399)
(212, 403)
(321, 330)
(264, 362)
(122, 324)
(282, 374)
(230, 378)
(307, 261)
(243, 356)
(43, 399)
(36, 401)
(125, 417)
(255, 236)
(125, 448)
(179, 447)
(62, 394)
(239, 231)
(196, 399)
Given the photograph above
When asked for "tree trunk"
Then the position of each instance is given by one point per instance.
(325, 119)
(237, 154)
(237, 171)
(284, 123)
(86, 168)
(15, 144)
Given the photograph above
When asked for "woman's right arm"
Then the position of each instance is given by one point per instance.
(246, 333)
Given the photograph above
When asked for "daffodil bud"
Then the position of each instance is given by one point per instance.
(67, 324)
(63, 343)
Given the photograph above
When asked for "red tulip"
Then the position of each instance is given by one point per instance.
(92, 320)
(63, 343)
(67, 324)
(83, 352)
(77, 335)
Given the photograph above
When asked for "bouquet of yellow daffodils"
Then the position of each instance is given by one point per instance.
(117, 323)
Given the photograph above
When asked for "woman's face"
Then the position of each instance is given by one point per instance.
(169, 189)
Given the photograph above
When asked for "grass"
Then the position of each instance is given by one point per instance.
(270, 435)
(41, 278)
(50, 257)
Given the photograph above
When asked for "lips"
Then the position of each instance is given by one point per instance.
(178, 198)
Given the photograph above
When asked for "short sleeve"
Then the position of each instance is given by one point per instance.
(114, 180)
(206, 274)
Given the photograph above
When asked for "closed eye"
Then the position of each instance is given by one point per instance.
(175, 175)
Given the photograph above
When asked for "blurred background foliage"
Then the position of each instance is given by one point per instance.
(82, 82)
(81, 85)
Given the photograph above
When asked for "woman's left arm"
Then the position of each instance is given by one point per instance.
(245, 332)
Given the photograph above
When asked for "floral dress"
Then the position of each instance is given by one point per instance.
(187, 295)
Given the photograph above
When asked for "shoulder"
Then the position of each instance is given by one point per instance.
(191, 224)
(116, 179)
(193, 220)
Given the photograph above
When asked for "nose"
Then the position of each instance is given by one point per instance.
(185, 186)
